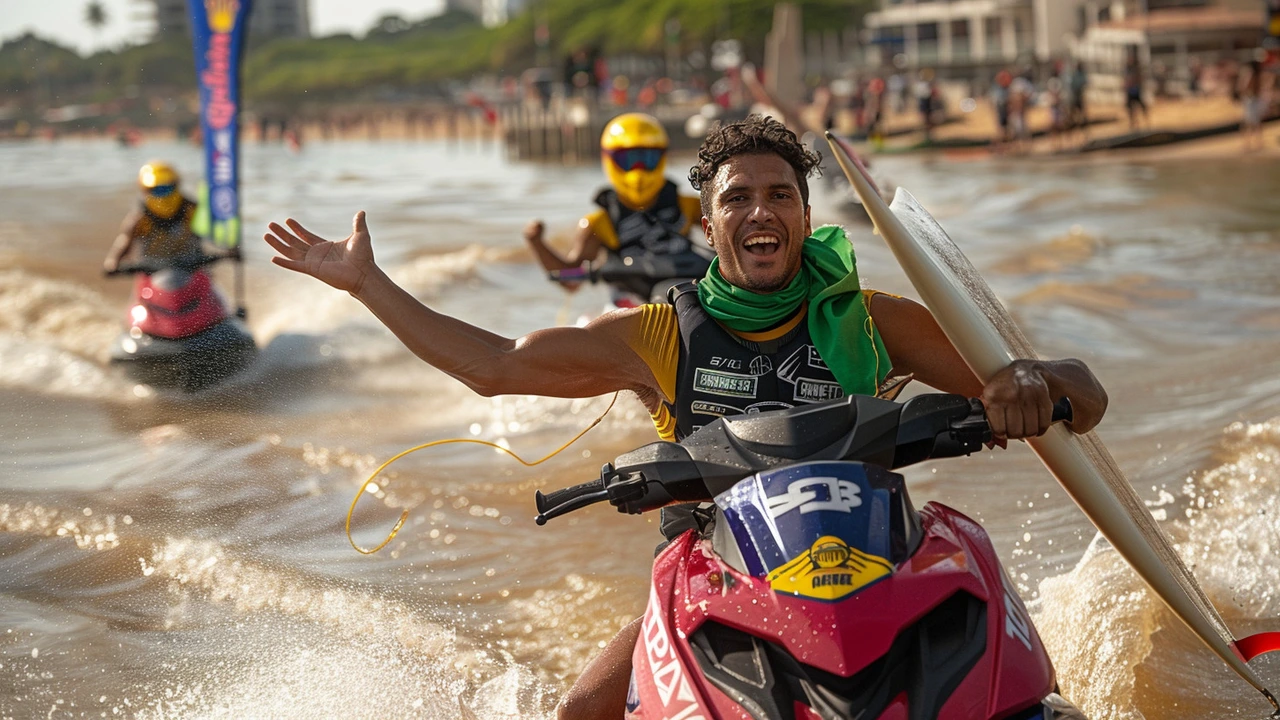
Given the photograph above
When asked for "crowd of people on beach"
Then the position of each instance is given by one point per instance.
(1063, 92)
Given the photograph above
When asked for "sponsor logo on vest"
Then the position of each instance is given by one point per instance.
(816, 493)
(678, 700)
(729, 384)
(710, 408)
(800, 369)
(816, 391)
(761, 365)
(815, 360)
(829, 570)
(727, 363)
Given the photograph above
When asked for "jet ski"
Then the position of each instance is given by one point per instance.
(640, 277)
(813, 589)
(179, 332)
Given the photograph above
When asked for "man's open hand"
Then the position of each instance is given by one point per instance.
(343, 265)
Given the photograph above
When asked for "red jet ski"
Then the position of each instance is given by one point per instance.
(180, 334)
(814, 590)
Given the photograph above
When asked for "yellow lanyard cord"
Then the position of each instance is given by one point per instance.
(404, 514)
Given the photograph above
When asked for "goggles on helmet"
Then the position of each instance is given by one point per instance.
(628, 159)
(162, 191)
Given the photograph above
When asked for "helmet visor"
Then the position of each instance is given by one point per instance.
(161, 191)
(628, 159)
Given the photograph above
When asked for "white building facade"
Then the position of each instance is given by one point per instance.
(963, 35)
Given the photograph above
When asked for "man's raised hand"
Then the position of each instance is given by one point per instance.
(343, 265)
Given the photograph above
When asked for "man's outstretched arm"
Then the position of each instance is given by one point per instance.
(557, 362)
(1019, 399)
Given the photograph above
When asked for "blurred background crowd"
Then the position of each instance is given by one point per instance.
(1017, 76)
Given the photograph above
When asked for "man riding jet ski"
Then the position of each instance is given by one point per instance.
(778, 321)
(642, 223)
(813, 589)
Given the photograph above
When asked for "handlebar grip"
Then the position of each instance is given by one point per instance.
(569, 274)
(1062, 410)
(558, 502)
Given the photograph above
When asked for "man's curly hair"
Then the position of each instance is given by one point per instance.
(756, 135)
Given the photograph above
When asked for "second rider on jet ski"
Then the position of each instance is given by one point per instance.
(160, 229)
(641, 216)
(776, 286)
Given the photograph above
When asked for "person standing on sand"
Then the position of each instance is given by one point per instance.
(1077, 85)
(1133, 101)
(1000, 101)
(1020, 97)
(923, 90)
(1255, 95)
(874, 112)
(1195, 71)
(898, 92)
(1054, 98)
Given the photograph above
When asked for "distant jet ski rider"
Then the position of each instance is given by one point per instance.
(160, 228)
(641, 214)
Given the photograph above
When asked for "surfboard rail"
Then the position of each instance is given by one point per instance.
(987, 338)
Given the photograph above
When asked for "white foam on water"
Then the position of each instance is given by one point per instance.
(1105, 630)
(55, 336)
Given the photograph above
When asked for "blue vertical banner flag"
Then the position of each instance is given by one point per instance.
(218, 32)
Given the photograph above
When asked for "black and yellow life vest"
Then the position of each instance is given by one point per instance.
(167, 237)
(720, 373)
(655, 230)
(652, 247)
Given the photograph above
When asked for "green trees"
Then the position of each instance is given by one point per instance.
(405, 55)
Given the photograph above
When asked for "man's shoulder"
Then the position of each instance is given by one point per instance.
(649, 330)
(642, 319)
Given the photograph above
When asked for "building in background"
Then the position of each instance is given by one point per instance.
(1166, 35)
(491, 13)
(271, 18)
(961, 38)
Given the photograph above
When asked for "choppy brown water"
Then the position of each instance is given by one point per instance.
(184, 557)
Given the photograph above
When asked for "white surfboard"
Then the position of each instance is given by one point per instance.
(984, 334)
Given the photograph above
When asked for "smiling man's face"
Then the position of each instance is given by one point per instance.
(758, 222)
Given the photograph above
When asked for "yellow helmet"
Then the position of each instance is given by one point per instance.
(159, 183)
(634, 153)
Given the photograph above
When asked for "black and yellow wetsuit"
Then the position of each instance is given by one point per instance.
(659, 230)
(623, 230)
(705, 371)
(166, 238)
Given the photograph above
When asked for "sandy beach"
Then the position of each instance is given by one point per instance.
(1108, 121)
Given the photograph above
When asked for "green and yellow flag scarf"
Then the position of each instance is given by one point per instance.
(841, 328)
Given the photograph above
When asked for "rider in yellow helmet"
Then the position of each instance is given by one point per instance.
(161, 222)
(641, 213)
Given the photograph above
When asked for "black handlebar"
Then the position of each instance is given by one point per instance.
(574, 274)
(185, 263)
(564, 500)
(927, 427)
